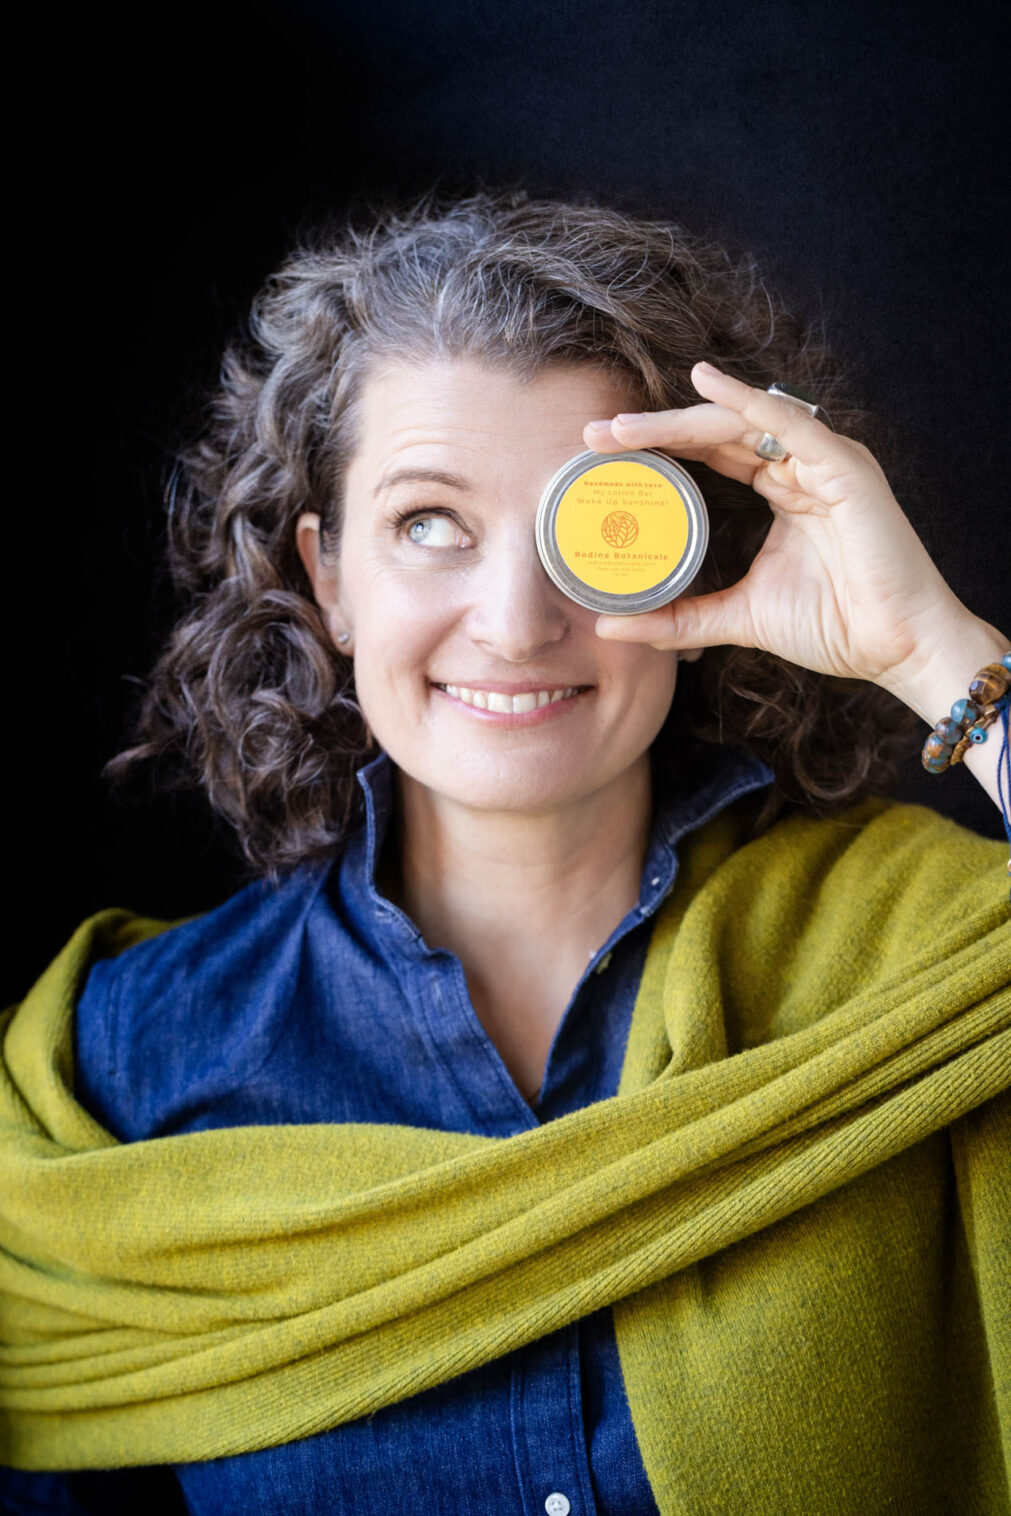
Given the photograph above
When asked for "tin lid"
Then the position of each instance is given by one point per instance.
(622, 532)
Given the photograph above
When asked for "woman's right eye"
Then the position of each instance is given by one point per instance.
(434, 531)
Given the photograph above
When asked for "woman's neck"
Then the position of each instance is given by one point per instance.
(524, 899)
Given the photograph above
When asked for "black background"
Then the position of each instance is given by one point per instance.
(165, 164)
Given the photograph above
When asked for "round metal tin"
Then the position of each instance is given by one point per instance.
(622, 532)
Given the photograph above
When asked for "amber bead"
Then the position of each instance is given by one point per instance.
(989, 684)
(948, 730)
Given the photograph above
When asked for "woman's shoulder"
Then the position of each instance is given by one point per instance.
(213, 943)
(816, 910)
(160, 1002)
(884, 907)
(891, 854)
(903, 851)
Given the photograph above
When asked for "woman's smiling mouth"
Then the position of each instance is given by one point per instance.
(544, 701)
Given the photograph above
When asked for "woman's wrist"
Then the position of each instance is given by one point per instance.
(960, 646)
(939, 673)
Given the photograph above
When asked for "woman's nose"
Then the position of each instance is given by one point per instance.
(517, 611)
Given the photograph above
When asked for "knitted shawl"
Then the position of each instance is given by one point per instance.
(798, 1205)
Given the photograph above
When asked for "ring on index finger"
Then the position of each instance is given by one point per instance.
(770, 449)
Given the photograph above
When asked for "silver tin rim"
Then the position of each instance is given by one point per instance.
(602, 600)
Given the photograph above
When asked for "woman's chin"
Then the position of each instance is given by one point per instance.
(485, 786)
(514, 784)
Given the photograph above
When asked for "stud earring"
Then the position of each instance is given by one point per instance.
(344, 637)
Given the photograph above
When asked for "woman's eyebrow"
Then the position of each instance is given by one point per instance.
(419, 475)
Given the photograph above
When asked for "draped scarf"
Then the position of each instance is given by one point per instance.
(798, 1206)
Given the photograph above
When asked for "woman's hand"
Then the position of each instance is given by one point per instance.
(842, 584)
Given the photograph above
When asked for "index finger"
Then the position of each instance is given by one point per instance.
(694, 426)
(807, 438)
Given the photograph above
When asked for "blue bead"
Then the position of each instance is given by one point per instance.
(935, 765)
(934, 747)
(948, 730)
(979, 735)
(964, 712)
(1006, 660)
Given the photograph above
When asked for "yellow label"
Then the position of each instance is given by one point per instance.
(622, 527)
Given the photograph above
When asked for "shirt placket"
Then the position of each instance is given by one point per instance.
(548, 1430)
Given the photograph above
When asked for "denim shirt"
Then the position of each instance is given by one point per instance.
(319, 1000)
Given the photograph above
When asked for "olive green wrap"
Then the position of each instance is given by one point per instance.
(799, 1205)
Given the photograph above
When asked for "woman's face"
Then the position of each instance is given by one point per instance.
(486, 685)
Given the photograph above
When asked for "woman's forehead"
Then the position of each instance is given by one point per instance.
(465, 405)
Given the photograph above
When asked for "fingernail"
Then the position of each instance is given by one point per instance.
(628, 417)
(708, 368)
(598, 426)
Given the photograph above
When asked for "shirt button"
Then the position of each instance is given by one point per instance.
(557, 1505)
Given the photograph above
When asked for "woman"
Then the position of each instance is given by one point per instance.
(520, 863)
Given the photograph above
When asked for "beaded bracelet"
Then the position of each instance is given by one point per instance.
(969, 719)
(989, 697)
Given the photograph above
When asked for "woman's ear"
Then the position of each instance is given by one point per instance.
(324, 578)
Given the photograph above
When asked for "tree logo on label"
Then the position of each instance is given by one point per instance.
(619, 529)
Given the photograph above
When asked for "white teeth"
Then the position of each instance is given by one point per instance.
(513, 705)
(509, 705)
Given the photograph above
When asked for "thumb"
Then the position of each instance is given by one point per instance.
(696, 621)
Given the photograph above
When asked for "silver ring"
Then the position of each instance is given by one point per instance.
(770, 449)
(795, 396)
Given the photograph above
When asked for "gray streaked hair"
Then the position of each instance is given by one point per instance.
(251, 699)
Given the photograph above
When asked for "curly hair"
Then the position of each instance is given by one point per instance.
(251, 697)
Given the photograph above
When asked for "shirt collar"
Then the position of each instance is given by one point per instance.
(687, 804)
